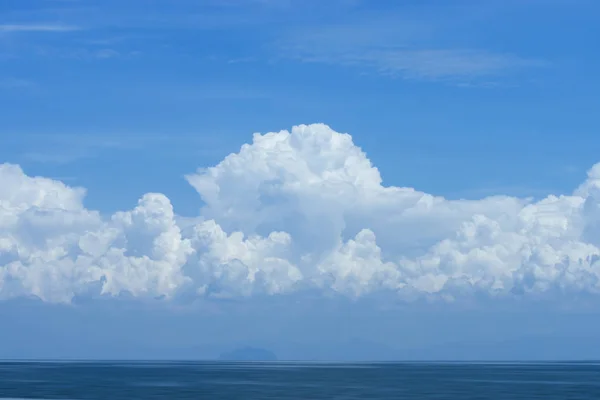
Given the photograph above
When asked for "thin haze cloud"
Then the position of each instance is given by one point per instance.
(37, 28)
(394, 45)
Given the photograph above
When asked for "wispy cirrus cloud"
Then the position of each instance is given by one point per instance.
(84, 53)
(416, 43)
(415, 47)
(427, 64)
(62, 149)
(65, 149)
(37, 27)
(15, 83)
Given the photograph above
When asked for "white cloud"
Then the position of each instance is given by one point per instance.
(291, 212)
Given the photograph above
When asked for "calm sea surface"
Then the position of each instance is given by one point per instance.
(145, 380)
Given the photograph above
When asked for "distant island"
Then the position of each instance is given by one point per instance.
(248, 354)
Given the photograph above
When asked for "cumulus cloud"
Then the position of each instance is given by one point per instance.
(291, 212)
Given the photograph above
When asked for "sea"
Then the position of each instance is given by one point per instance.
(292, 380)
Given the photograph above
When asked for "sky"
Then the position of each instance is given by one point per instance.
(347, 179)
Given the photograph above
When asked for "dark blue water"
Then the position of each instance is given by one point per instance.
(131, 381)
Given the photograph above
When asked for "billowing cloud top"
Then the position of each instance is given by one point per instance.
(292, 212)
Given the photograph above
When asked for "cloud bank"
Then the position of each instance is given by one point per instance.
(295, 212)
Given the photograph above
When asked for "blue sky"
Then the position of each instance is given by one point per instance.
(460, 100)
(474, 97)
